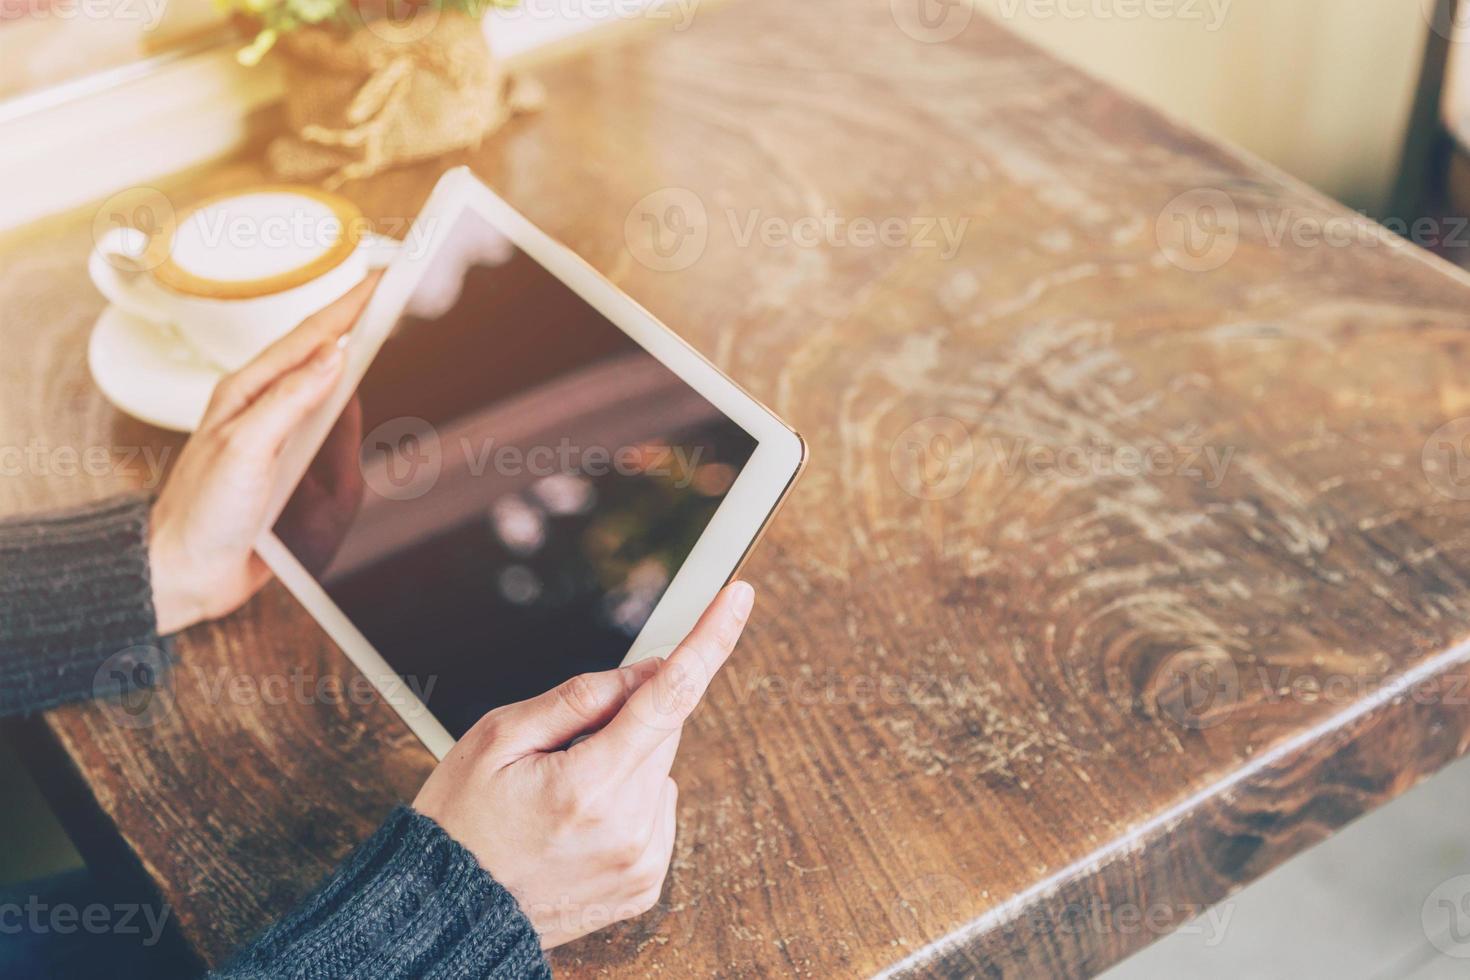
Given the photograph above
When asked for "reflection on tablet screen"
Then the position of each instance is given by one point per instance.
(511, 489)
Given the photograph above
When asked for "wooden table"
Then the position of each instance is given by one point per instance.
(1126, 567)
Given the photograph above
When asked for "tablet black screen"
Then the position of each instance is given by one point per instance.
(511, 489)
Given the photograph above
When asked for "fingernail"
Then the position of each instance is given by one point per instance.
(327, 358)
(742, 598)
(343, 341)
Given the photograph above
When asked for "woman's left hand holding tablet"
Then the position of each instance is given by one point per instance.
(212, 508)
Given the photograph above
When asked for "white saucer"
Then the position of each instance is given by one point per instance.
(148, 372)
(145, 371)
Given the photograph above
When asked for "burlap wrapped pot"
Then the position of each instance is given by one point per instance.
(388, 93)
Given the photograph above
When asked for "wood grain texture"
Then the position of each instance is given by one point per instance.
(1185, 589)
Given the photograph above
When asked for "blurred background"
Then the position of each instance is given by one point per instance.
(1342, 96)
(1287, 81)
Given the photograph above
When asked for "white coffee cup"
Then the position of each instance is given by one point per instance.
(235, 273)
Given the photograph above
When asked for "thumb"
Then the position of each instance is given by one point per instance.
(575, 707)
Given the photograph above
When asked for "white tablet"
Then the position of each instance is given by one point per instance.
(523, 475)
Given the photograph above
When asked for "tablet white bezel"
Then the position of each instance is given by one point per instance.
(751, 502)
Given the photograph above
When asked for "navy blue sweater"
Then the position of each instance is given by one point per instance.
(409, 902)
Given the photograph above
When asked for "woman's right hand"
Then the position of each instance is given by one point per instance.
(582, 836)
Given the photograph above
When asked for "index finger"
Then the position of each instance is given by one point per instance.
(238, 390)
(660, 707)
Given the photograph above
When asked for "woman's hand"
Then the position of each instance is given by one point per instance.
(212, 508)
(582, 836)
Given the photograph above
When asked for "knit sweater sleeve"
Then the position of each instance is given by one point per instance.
(76, 606)
(410, 902)
(77, 621)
